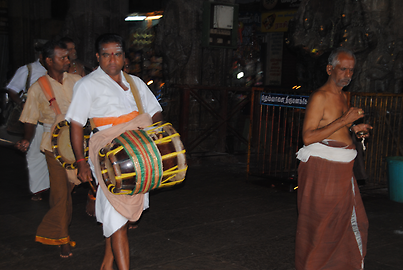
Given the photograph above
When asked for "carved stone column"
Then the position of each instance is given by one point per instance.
(86, 20)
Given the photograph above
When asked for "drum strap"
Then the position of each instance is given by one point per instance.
(28, 77)
(93, 126)
(135, 92)
(50, 96)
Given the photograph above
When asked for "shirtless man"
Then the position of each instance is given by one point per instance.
(328, 115)
(332, 223)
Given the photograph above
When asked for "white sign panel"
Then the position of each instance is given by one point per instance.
(223, 17)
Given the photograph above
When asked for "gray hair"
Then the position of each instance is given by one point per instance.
(334, 55)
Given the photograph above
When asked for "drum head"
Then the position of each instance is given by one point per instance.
(65, 149)
(61, 145)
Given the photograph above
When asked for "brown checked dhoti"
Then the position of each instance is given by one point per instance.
(332, 224)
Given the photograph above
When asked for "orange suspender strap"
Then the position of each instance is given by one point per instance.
(103, 121)
(50, 96)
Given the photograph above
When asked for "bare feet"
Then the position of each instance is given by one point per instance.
(65, 251)
(37, 197)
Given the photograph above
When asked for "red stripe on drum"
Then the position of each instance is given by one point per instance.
(138, 150)
(155, 160)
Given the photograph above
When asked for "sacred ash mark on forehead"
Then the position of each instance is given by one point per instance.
(118, 48)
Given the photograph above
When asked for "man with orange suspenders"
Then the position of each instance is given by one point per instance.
(48, 97)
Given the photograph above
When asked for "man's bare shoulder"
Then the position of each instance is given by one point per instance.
(318, 96)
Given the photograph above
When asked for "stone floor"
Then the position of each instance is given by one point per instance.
(218, 219)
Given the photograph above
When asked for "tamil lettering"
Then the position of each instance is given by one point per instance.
(282, 100)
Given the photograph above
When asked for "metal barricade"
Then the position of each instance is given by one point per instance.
(385, 113)
(275, 135)
(274, 138)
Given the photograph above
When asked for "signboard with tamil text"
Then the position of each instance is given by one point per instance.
(282, 100)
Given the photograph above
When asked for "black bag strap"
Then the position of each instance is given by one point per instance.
(28, 77)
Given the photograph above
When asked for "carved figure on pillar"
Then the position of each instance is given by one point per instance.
(370, 28)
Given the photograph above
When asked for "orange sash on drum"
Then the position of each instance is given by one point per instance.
(103, 121)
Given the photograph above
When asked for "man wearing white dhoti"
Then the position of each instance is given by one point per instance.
(105, 96)
(38, 172)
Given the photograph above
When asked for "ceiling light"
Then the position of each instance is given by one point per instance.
(135, 18)
(156, 17)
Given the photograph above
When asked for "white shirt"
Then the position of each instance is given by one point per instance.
(19, 80)
(98, 95)
(37, 107)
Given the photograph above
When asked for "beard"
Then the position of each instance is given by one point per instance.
(344, 83)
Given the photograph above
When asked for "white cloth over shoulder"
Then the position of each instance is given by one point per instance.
(321, 150)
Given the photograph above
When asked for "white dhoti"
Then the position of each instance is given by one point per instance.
(37, 166)
(106, 214)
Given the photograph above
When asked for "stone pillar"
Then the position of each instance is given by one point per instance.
(26, 23)
(178, 40)
(86, 20)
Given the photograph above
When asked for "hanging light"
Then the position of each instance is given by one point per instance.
(132, 18)
(156, 15)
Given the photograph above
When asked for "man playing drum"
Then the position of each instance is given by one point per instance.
(106, 96)
(53, 229)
